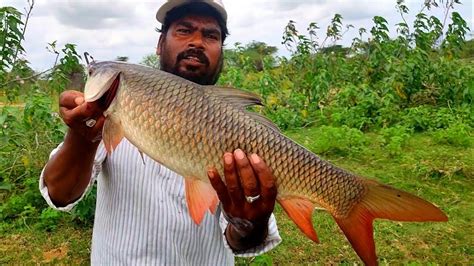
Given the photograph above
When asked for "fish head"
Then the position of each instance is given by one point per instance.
(101, 77)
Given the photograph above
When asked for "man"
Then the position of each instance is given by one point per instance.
(141, 213)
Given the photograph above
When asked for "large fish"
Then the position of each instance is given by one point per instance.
(188, 127)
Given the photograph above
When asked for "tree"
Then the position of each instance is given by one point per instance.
(151, 60)
(335, 49)
(122, 58)
(254, 53)
(467, 50)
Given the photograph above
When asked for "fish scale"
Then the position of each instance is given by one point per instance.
(188, 127)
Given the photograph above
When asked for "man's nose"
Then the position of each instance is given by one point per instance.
(196, 41)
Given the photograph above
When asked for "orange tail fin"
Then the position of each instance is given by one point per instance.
(382, 201)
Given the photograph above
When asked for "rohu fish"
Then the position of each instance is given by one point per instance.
(187, 127)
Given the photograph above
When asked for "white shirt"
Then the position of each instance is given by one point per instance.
(141, 216)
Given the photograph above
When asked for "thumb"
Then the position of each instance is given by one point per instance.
(79, 100)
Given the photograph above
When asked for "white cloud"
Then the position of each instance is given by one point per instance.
(93, 14)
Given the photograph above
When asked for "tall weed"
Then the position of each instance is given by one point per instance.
(394, 138)
(457, 134)
(340, 141)
(378, 82)
(30, 129)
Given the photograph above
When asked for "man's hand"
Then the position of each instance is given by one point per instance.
(75, 112)
(245, 177)
(68, 172)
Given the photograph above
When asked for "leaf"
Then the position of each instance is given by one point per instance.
(6, 186)
(262, 260)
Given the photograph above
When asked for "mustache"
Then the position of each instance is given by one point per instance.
(199, 54)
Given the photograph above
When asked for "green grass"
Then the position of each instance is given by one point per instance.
(69, 244)
(435, 171)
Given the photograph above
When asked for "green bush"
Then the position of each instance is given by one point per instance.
(425, 118)
(394, 138)
(49, 219)
(29, 130)
(28, 135)
(416, 79)
(84, 212)
(340, 141)
(456, 135)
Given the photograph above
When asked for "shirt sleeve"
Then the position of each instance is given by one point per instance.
(272, 240)
(96, 170)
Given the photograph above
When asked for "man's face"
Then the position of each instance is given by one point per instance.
(192, 49)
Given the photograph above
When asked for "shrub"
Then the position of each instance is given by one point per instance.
(340, 141)
(456, 135)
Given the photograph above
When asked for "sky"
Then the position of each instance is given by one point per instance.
(110, 28)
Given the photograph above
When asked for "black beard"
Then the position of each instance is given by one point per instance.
(209, 78)
(199, 54)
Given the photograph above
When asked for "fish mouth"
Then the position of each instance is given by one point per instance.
(106, 100)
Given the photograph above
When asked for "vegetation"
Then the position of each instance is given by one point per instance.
(394, 109)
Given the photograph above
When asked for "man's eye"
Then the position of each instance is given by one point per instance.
(213, 36)
(185, 31)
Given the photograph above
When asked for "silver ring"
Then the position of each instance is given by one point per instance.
(252, 199)
(91, 122)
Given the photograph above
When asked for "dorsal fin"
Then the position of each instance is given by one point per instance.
(241, 99)
(262, 119)
(236, 97)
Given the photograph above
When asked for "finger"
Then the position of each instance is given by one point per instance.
(219, 187)
(268, 189)
(73, 116)
(67, 99)
(247, 176)
(72, 99)
(96, 131)
(232, 180)
(79, 100)
(80, 113)
(100, 123)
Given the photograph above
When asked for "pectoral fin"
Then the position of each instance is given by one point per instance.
(200, 197)
(300, 211)
(143, 158)
(112, 134)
